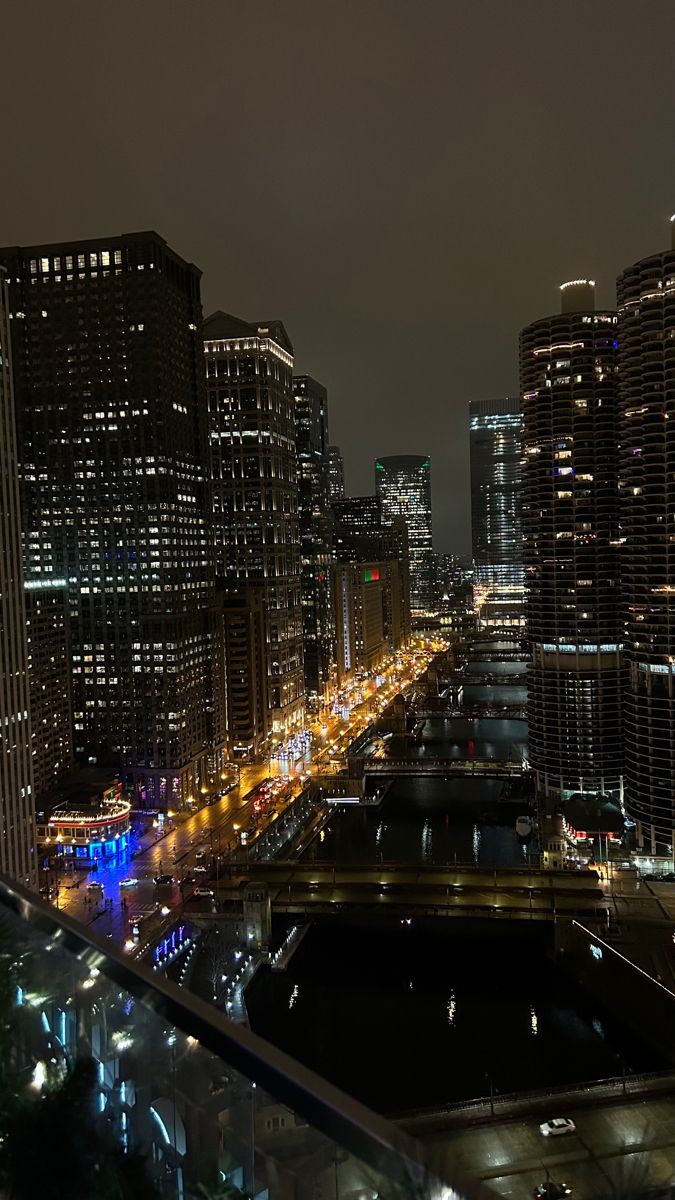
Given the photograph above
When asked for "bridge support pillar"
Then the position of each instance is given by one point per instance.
(257, 916)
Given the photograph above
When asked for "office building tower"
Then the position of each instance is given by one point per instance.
(106, 338)
(336, 474)
(646, 311)
(315, 524)
(49, 675)
(357, 521)
(496, 445)
(568, 370)
(403, 485)
(249, 370)
(17, 806)
(360, 537)
(245, 659)
(357, 589)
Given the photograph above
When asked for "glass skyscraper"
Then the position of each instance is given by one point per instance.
(403, 485)
(496, 445)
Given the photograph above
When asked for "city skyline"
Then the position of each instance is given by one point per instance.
(435, 125)
(337, 569)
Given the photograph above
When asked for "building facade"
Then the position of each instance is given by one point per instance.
(357, 589)
(403, 485)
(109, 387)
(568, 369)
(244, 625)
(360, 537)
(17, 801)
(249, 373)
(646, 310)
(496, 445)
(315, 523)
(51, 708)
(336, 474)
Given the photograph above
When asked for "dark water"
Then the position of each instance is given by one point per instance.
(464, 738)
(482, 693)
(428, 820)
(494, 667)
(406, 1016)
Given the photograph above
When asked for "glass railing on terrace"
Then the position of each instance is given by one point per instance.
(117, 1085)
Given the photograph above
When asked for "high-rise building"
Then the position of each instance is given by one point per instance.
(360, 537)
(51, 709)
(17, 802)
(249, 370)
(403, 485)
(336, 474)
(311, 439)
(646, 310)
(358, 617)
(568, 371)
(496, 445)
(357, 520)
(244, 627)
(106, 339)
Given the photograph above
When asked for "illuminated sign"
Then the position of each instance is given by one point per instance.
(371, 574)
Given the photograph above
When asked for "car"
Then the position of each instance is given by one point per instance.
(200, 854)
(94, 887)
(557, 1127)
(203, 891)
(551, 1191)
(161, 879)
(131, 882)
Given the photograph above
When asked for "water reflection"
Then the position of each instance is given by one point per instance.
(403, 1016)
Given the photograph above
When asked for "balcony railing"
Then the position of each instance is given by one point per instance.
(116, 1083)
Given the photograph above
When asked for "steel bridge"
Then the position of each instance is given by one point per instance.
(403, 891)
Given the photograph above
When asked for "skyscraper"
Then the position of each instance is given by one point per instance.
(359, 536)
(646, 309)
(49, 674)
(359, 617)
(17, 806)
(403, 484)
(106, 338)
(249, 370)
(311, 438)
(496, 444)
(336, 474)
(568, 371)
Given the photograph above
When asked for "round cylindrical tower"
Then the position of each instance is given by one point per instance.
(568, 368)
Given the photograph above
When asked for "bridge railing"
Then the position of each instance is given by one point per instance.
(501, 1104)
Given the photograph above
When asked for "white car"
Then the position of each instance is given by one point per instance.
(557, 1127)
(203, 891)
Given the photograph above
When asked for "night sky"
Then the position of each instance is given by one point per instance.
(403, 183)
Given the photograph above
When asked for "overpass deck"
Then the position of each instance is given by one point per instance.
(397, 890)
(490, 768)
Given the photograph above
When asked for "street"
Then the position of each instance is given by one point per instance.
(629, 1146)
(96, 897)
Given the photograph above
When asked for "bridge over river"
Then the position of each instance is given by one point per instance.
(399, 890)
(490, 768)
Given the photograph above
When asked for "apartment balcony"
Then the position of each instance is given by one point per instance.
(114, 1082)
